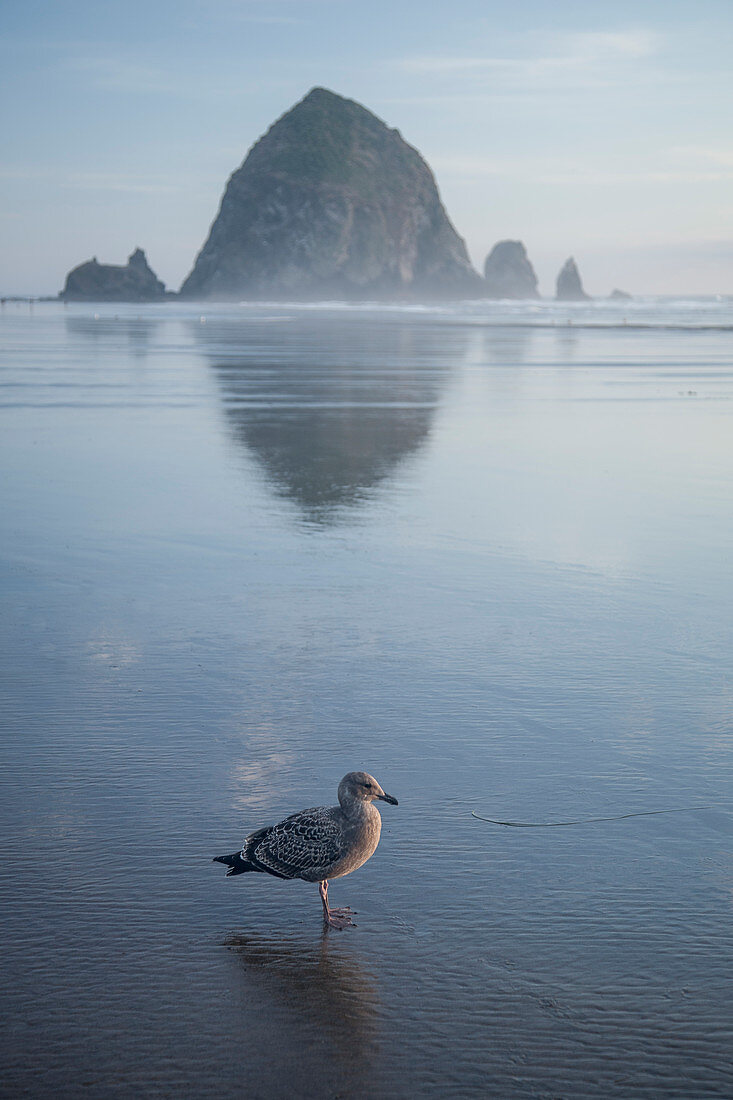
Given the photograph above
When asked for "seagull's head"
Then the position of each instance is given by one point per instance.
(362, 787)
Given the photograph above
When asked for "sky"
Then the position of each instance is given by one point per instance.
(601, 130)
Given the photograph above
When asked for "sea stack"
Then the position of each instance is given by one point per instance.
(332, 203)
(508, 272)
(569, 286)
(95, 282)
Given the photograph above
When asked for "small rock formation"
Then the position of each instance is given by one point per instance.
(95, 282)
(331, 203)
(621, 295)
(508, 272)
(569, 286)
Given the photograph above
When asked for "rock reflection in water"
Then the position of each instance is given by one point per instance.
(322, 987)
(330, 408)
(509, 346)
(133, 333)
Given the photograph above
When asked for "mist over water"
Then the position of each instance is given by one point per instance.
(481, 550)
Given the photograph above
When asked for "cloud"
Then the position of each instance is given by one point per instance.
(112, 651)
(704, 154)
(600, 177)
(130, 76)
(580, 60)
(694, 249)
(609, 44)
(117, 72)
(542, 170)
(249, 11)
(110, 181)
(266, 20)
(121, 74)
(90, 181)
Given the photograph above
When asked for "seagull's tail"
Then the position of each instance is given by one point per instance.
(235, 863)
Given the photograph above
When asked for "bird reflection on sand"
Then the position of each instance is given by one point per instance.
(322, 985)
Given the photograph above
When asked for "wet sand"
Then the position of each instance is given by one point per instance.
(489, 563)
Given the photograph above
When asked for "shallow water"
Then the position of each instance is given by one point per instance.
(481, 551)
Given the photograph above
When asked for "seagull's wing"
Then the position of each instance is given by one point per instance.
(304, 842)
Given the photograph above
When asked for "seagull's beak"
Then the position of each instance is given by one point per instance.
(388, 798)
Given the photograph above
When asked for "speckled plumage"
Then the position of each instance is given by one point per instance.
(318, 844)
(301, 846)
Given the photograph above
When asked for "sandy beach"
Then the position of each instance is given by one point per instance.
(481, 551)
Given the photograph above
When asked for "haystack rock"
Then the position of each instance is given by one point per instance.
(508, 272)
(95, 282)
(569, 286)
(331, 203)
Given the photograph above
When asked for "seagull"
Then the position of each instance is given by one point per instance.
(319, 844)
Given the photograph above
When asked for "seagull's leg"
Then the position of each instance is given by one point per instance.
(334, 918)
(323, 891)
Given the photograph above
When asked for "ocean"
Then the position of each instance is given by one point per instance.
(482, 551)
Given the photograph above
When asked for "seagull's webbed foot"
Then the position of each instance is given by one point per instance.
(339, 918)
(334, 918)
